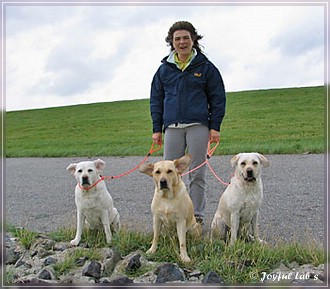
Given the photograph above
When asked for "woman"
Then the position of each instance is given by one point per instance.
(187, 102)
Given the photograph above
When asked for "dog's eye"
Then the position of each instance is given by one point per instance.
(255, 163)
(79, 171)
(243, 164)
(157, 172)
(169, 171)
(90, 170)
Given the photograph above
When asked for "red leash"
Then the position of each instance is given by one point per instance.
(217, 177)
(210, 152)
(151, 151)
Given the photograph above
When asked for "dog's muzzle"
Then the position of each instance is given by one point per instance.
(85, 181)
(163, 184)
(249, 176)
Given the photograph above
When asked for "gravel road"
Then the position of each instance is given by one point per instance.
(40, 194)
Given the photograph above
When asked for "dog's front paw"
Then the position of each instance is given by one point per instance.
(185, 258)
(151, 250)
(74, 242)
(109, 239)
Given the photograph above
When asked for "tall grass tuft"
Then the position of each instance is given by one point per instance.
(25, 237)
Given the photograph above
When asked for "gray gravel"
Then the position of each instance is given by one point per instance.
(40, 194)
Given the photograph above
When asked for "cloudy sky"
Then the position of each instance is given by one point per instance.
(73, 54)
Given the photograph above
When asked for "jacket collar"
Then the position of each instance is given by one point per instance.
(196, 59)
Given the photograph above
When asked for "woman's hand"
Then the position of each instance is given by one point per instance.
(157, 138)
(214, 136)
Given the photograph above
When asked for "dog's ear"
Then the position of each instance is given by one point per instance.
(99, 164)
(182, 163)
(234, 160)
(263, 160)
(146, 169)
(71, 168)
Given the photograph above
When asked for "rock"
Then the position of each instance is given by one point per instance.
(60, 246)
(20, 263)
(31, 280)
(93, 269)
(105, 253)
(45, 274)
(168, 273)
(50, 261)
(149, 277)
(110, 263)
(212, 277)
(12, 256)
(120, 280)
(133, 263)
(42, 252)
(43, 242)
(81, 261)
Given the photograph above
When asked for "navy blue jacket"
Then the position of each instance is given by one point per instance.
(195, 95)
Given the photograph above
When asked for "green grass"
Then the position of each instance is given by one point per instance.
(274, 121)
(26, 237)
(69, 261)
(241, 263)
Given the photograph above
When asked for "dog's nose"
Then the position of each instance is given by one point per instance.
(249, 172)
(163, 184)
(85, 181)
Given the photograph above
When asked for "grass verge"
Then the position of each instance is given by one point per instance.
(273, 121)
(242, 263)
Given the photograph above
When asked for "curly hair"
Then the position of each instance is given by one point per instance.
(184, 25)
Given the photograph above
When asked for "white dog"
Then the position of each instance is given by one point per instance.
(171, 203)
(239, 205)
(93, 201)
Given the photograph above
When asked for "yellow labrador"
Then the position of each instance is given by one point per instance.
(171, 203)
(93, 201)
(239, 205)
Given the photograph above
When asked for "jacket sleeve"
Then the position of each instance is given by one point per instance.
(216, 98)
(157, 102)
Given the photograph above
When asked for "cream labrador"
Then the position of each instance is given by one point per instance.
(171, 203)
(93, 201)
(239, 205)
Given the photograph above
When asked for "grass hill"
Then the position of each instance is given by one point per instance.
(274, 121)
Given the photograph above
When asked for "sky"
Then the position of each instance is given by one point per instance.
(76, 54)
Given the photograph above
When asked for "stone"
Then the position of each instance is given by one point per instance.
(106, 252)
(168, 273)
(110, 263)
(133, 263)
(12, 256)
(93, 269)
(21, 262)
(42, 252)
(212, 277)
(47, 274)
(60, 246)
(50, 261)
(31, 280)
(81, 261)
(84, 280)
(120, 280)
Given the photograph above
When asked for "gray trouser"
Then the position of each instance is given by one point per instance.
(195, 139)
